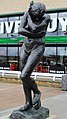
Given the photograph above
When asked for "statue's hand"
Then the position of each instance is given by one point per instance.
(31, 24)
(34, 30)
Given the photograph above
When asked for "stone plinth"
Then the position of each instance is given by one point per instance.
(42, 113)
(50, 117)
(64, 82)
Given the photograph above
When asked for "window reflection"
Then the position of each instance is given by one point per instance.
(62, 51)
(12, 51)
(62, 55)
(13, 58)
(50, 55)
(3, 51)
(50, 51)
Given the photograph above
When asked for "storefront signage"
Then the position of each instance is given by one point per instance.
(54, 25)
(9, 27)
(12, 26)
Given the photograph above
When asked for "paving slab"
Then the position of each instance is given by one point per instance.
(12, 97)
(57, 105)
(53, 117)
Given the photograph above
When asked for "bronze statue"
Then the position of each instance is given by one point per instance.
(33, 26)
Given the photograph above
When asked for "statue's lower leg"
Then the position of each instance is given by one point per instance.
(28, 97)
(37, 94)
(28, 85)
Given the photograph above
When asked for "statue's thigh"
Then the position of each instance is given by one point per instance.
(33, 60)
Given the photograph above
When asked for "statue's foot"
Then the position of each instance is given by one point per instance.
(36, 98)
(37, 105)
(25, 107)
(36, 101)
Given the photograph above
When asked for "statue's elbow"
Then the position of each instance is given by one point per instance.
(20, 30)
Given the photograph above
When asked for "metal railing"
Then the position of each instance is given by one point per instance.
(35, 75)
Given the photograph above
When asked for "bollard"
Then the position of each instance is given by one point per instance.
(64, 82)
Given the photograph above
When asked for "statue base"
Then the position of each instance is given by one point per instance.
(41, 113)
(50, 117)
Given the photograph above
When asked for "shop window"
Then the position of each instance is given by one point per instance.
(3, 59)
(13, 57)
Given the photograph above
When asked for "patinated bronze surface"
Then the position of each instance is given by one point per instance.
(33, 26)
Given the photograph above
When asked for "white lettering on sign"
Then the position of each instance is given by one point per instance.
(63, 22)
(17, 23)
(9, 26)
(53, 26)
(1, 27)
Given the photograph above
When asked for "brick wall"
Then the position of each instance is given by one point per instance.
(16, 6)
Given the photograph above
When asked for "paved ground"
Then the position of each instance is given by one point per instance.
(57, 105)
(12, 96)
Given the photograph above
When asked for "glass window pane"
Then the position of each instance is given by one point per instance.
(3, 51)
(62, 51)
(50, 51)
(12, 51)
(3, 56)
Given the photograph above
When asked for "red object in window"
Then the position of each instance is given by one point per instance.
(38, 68)
(13, 67)
(41, 69)
(45, 70)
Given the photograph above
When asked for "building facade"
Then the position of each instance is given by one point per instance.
(55, 54)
